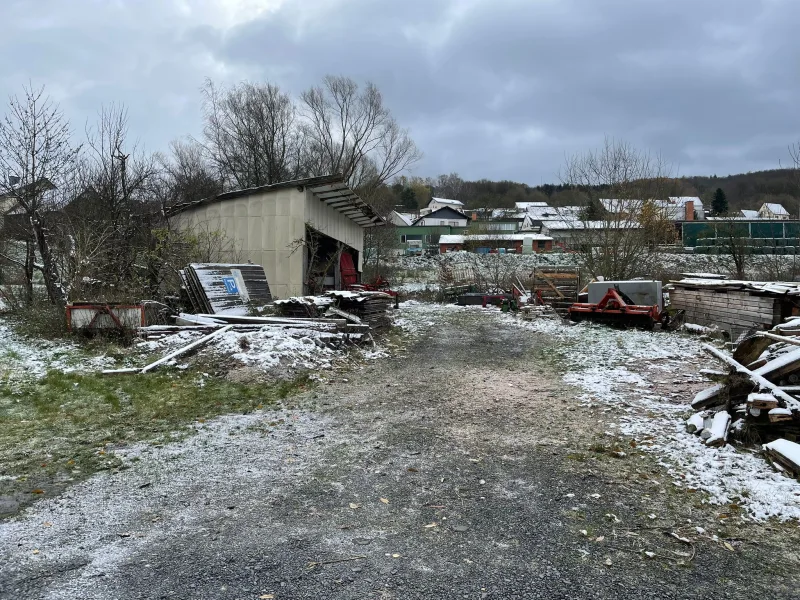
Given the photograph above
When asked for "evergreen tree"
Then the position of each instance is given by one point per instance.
(593, 210)
(719, 205)
(408, 198)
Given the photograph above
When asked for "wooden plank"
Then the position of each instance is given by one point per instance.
(181, 351)
(785, 453)
(791, 403)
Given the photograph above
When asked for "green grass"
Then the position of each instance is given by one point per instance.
(61, 424)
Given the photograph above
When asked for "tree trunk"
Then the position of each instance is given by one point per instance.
(55, 291)
(30, 258)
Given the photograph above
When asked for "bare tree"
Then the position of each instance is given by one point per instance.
(352, 132)
(251, 134)
(36, 156)
(450, 186)
(116, 181)
(615, 229)
(734, 243)
(794, 156)
(186, 174)
(380, 243)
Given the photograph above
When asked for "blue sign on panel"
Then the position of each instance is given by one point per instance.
(230, 285)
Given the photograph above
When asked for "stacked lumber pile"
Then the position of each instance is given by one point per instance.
(755, 398)
(371, 308)
(304, 306)
(359, 308)
(556, 286)
(734, 306)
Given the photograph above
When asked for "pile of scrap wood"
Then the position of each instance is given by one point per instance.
(361, 307)
(736, 307)
(370, 307)
(756, 397)
(556, 286)
(208, 323)
(304, 306)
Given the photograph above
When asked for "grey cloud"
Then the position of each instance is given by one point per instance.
(493, 88)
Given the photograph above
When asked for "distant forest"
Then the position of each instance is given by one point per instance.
(745, 190)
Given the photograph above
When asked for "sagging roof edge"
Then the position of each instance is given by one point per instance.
(368, 217)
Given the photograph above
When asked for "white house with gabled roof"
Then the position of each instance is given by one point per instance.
(438, 203)
(771, 210)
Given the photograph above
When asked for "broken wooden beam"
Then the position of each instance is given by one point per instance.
(762, 401)
(695, 423)
(780, 338)
(719, 429)
(785, 453)
(790, 402)
(128, 371)
(181, 351)
(776, 415)
(708, 397)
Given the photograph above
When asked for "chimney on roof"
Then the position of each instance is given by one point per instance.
(474, 216)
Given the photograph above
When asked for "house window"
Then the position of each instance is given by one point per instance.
(442, 222)
(402, 239)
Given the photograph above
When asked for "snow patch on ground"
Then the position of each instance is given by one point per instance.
(22, 357)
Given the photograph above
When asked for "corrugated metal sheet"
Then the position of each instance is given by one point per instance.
(226, 288)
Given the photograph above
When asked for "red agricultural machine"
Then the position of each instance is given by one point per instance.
(616, 307)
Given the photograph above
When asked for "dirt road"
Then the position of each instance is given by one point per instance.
(460, 468)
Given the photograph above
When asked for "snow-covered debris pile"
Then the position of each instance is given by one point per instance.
(751, 403)
(369, 307)
(269, 348)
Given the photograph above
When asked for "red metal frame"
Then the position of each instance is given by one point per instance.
(613, 304)
(102, 309)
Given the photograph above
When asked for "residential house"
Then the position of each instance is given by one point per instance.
(401, 219)
(515, 242)
(527, 206)
(443, 216)
(683, 208)
(268, 225)
(437, 203)
(771, 210)
(749, 214)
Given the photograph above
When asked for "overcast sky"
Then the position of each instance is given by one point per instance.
(500, 89)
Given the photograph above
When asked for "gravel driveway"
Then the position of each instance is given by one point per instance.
(461, 467)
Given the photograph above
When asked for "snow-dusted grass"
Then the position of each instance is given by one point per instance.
(22, 357)
(632, 376)
(60, 425)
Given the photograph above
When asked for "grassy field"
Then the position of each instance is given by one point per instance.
(60, 428)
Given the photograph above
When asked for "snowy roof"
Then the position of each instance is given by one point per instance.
(406, 218)
(446, 201)
(528, 205)
(775, 209)
(440, 213)
(489, 237)
(749, 214)
(331, 190)
(614, 205)
(781, 288)
(579, 224)
(685, 199)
